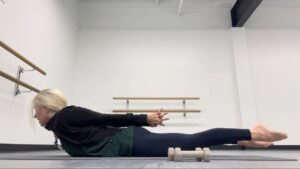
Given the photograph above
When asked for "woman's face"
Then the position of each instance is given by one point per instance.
(41, 114)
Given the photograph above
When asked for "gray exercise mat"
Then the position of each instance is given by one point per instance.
(214, 157)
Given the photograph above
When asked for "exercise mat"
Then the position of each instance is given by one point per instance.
(213, 157)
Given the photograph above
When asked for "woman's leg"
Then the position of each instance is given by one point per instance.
(147, 144)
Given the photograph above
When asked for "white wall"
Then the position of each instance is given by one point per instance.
(45, 32)
(160, 63)
(275, 60)
(244, 80)
(272, 34)
(145, 14)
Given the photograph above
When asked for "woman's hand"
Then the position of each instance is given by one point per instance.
(156, 118)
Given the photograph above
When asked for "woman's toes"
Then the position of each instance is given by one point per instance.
(255, 144)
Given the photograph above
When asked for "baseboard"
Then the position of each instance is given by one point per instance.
(37, 147)
(280, 147)
(25, 147)
(273, 147)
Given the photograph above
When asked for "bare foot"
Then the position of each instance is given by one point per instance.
(261, 133)
(255, 144)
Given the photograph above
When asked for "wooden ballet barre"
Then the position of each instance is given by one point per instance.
(153, 110)
(7, 76)
(18, 55)
(156, 98)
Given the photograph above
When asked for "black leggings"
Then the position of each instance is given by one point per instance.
(148, 144)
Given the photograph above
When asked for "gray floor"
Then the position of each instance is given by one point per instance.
(222, 159)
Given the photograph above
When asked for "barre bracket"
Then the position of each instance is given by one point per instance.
(17, 86)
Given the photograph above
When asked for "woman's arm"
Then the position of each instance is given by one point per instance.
(81, 117)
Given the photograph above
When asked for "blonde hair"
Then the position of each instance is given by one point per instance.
(52, 99)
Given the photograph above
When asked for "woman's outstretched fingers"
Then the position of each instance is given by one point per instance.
(163, 118)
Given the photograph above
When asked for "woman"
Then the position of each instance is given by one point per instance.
(84, 132)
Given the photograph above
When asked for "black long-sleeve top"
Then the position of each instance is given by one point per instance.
(81, 126)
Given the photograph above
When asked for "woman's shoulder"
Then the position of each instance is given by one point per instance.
(73, 109)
